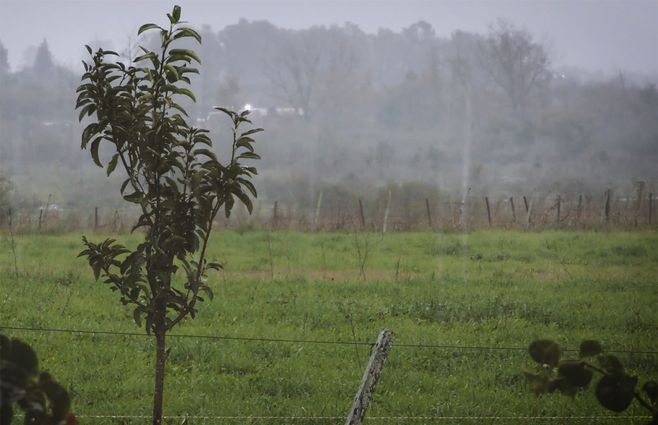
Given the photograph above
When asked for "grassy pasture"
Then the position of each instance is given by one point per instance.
(485, 289)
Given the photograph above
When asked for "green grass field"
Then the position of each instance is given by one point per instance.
(485, 289)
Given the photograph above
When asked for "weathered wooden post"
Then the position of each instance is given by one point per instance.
(40, 217)
(559, 204)
(650, 207)
(95, 219)
(528, 211)
(317, 209)
(579, 211)
(370, 377)
(486, 200)
(606, 207)
(429, 213)
(511, 201)
(386, 211)
(275, 214)
(362, 215)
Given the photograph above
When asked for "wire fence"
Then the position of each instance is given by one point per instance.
(374, 418)
(304, 341)
(122, 418)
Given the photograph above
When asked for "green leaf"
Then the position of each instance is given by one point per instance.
(206, 152)
(112, 164)
(187, 32)
(244, 199)
(611, 364)
(59, 399)
(135, 197)
(590, 348)
(147, 27)
(545, 351)
(616, 392)
(188, 54)
(176, 13)
(228, 112)
(23, 356)
(650, 388)
(575, 373)
(94, 151)
(249, 155)
(252, 131)
(215, 266)
(137, 316)
(186, 92)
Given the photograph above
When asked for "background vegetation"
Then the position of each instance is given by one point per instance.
(421, 108)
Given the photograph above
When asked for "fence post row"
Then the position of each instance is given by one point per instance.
(370, 377)
(584, 214)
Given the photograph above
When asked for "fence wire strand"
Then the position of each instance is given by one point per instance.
(299, 341)
(370, 418)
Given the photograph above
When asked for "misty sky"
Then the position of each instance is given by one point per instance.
(594, 35)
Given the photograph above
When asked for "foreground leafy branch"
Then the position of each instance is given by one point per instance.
(42, 400)
(171, 173)
(615, 390)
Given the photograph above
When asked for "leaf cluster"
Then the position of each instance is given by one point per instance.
(42, 400)
(615, 390)
(171, 172)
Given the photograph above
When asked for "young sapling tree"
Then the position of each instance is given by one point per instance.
(171, 174)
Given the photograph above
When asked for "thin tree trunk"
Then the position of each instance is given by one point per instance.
(160, 359)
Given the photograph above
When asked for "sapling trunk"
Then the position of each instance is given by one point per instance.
(160, 361)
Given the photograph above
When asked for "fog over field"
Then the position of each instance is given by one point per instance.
(459, 97)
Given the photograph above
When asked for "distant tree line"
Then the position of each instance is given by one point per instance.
(484, 111)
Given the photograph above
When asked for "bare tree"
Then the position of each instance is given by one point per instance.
(515, 62)
(295, 73)
(318, 69)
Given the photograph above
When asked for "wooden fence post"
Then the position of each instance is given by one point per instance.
(370, 377)
(579, 211)
(528, 211)
(429, 212)
(95, 219)
(486, 200)
(559, 204)
(275, 215)
(362, 215)
(650, 207)
(40, 217)
(317, 209)
(386, 211)
(606, 207)
(511, 201)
